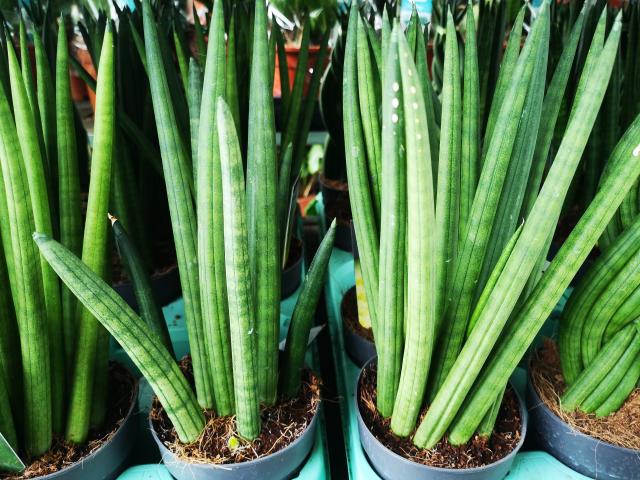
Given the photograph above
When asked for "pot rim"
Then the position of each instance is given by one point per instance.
(125, 420)
(164, 450)
(539, 403)
(523, 433)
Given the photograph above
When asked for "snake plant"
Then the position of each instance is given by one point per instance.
(481, 217)
(62, 364)
(229, 246)
(598, 338)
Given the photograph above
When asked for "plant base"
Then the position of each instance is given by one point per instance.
(104, 455)
(479, 459)
(287, 437)
(594, 457)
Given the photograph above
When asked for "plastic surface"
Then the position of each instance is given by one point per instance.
(108, 461)
(391, 466)
(584, 454)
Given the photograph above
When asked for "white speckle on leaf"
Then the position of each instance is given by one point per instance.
(636, 151)
(415, 105)
(355, 151)
(396, 86)
(413, 89)
(419, 136)
(250, 332)
(395, 102)
(394, 118)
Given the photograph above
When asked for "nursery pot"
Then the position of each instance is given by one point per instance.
(293, 53)
(278, 466)
(291, 276)
(108, 461)
(582, 453)
(331, 195)
(359, 348)
(165, 287)
(391, 466)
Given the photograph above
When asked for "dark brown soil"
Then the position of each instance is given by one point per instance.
(349, 309)
(281, 425)
(478, 452)
(63, 454)
(295, 252)
(621, 428)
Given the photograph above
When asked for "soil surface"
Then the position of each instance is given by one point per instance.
(349, 309)
(621, 428)
(476, 453)
(221, 444)
(63, 454)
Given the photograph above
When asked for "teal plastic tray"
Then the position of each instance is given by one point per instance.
(340, 278)
(146, 452)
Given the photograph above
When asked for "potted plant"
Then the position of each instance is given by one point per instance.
(454, 313)
(583, 389)
(65, 402)
(233, 385)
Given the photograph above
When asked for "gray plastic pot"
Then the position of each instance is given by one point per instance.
(391, 466)
(108, 462)
(281, 465)
(582, 453)
(359, 349)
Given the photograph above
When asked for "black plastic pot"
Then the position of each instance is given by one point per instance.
(343, 231)
(281, 465)
(292, 275)
(582, 453)
(165, 286)
(391, 466)
(108, 462)
(359, 349)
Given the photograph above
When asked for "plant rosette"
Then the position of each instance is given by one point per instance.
(285, 441)
(478, 459)
(579, 440)
(106, 452)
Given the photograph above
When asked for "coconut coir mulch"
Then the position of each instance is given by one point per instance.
(621, 428)
(63, 454)
(349, 308)
(220, 443)
(476, 453)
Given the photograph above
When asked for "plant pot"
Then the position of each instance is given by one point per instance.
(582, 453)
(280, 465)
(359, 348)
(335, 197)
(165, 286)
(293, 53)
(292, 275)
(391, 466)
(108, 461)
